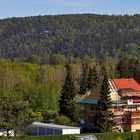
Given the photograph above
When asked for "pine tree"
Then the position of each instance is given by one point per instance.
(137, 71)
(92, 80)
(124, 68)
(104, 116)
(84, 76)
(67, 102)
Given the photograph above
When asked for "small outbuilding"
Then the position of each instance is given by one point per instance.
(52, 129)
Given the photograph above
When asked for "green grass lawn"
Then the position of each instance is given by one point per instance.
(100, 136)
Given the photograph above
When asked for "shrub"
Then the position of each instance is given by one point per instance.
(118, 138)
(63, 120)
(135, 136)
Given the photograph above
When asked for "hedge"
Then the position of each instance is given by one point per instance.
(100, 136)
(51, 137)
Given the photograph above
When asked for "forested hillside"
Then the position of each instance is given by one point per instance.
(69, 35)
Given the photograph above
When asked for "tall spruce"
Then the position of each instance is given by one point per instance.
(67, 102)
(124, 68)
(84, 77)
(104, 116)
(93, 79)
(137, 71)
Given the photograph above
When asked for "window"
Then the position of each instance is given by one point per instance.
(49, 131)
(136, 120)
(89, 119)
(123, 120)
(42, 130)
(57, 131)
(92, 107)
(128, 121)
(131, 108)
(93, 118)
(82, 107)
(118, 121)
(119, 108)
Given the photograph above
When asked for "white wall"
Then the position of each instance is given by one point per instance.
(135, 127)
(71, 131)
(4, 133)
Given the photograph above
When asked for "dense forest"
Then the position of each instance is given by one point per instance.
(49, 39)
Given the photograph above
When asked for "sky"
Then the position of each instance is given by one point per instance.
(22, 8)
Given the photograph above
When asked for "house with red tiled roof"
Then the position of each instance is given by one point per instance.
(126, 83)
(125, 95)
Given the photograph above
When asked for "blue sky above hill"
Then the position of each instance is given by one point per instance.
(22, 8)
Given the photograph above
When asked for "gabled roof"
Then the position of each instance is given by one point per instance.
(88, 101)
(129, 83)
(91, 97)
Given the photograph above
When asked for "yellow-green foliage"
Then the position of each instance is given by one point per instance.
(38, 84)
(118, 138)
(63, 120)
(113, 136)
(135, 136)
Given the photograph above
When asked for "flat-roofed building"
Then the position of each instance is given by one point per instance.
(52, 129)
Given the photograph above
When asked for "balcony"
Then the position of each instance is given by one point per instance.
(119, 102)
(126, 102)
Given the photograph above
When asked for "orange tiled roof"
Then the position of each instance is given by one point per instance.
(127, 83)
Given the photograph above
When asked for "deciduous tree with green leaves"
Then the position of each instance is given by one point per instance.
(14, 112)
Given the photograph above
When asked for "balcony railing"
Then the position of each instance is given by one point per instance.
(125, 102)
(120, 102)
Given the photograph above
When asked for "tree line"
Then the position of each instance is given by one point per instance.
(83, 35)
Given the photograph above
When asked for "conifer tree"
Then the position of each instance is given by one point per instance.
(124, 68)
(67, 102)
(92, 80)
(84, 76)
(137, 71)
(104, 116)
